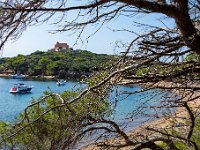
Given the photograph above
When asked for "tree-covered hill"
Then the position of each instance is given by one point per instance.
(65, 64)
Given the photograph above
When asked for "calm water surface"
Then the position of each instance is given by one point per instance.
(13, 104)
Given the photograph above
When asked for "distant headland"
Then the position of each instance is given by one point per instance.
(59, 62)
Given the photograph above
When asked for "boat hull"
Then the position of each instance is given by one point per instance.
(20, 88)
(17, 76)
(61, 83)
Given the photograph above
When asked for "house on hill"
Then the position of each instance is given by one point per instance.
(61, 47)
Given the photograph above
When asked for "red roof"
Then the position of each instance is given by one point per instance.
(61, 45)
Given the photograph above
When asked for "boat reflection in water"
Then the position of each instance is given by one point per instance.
(20, 88)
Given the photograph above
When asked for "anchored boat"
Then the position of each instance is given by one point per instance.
(20, 88)
(61, 82)
(17, 76)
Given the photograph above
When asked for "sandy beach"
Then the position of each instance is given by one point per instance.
(178, 119)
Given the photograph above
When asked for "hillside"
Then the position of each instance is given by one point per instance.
(66, 64)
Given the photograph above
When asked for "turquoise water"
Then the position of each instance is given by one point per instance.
(133, 108)
(123, 104)
(13, 104)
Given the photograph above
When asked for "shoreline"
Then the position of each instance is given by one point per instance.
(70, 77)
(172, 121)
(161, 123)
(29, 77)
(48, 78)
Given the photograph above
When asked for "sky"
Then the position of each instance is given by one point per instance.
(38, 38)
(103, 42)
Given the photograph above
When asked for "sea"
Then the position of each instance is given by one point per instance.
(126, 102)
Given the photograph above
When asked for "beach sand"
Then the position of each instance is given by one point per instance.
(178, 119)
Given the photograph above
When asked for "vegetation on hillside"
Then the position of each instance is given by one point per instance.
(151, 56)
(65, 64)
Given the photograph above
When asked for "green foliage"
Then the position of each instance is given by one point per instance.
(52, 119)
(48, 123)
(192, 56)
(66, 64)
(159, 69)
(142, 70)
(181, 145)
(97, 78)
(196, 133)
(182, 131)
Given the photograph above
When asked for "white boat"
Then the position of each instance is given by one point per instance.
(17, 76)
(20, 88)
(61, 82)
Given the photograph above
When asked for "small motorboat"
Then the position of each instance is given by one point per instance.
(20, 88)
(17, 76)
(61, 82)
